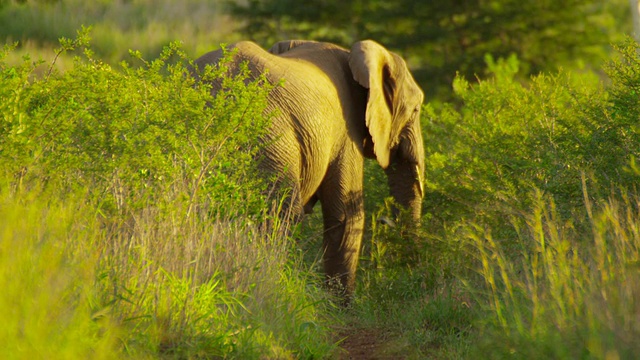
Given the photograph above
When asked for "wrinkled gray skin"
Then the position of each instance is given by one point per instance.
(336, 107)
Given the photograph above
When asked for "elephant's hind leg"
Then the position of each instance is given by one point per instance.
(343, 214)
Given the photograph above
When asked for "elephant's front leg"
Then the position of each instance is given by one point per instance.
(343, 214)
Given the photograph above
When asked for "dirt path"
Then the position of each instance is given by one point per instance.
(369, 344)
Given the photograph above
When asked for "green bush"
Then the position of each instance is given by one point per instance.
(616, 134)
(506, 138)
(133, 135)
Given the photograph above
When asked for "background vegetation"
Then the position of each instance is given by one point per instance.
(132, 226)
(442, 38)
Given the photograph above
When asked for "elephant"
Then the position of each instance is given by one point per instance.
(335, 108)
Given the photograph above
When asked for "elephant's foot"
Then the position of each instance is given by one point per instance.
(340, 288)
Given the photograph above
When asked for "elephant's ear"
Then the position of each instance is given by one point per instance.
(371, 65)
(286, 45)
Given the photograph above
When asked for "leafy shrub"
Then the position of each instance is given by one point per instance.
(506, 138)
(132, 135)
(616, 135)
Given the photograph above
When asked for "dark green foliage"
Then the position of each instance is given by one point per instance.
(440, 38)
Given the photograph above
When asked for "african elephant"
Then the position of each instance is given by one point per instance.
(336, 107)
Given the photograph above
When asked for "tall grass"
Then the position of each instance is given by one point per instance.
(566, 293)
(228, 288)
(75, 286)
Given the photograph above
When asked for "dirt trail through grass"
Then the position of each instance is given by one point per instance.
(369, 344)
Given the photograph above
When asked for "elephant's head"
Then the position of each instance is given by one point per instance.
(393, 120)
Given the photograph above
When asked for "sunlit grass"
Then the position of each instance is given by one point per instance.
(567, 293)
(76, 287)
(48, 258)
(228, 288)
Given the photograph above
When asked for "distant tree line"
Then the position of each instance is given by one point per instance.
(442, 37)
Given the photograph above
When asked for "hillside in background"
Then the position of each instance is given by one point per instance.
(118, 26)
(439, 39)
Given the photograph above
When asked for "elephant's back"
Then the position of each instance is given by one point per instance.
(318, 102)
(303, 135)
(244, 51)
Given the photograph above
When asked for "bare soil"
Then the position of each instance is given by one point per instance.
(370, 344)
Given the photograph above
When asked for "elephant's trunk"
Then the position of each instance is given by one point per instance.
(405, 184)
(405, 174)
